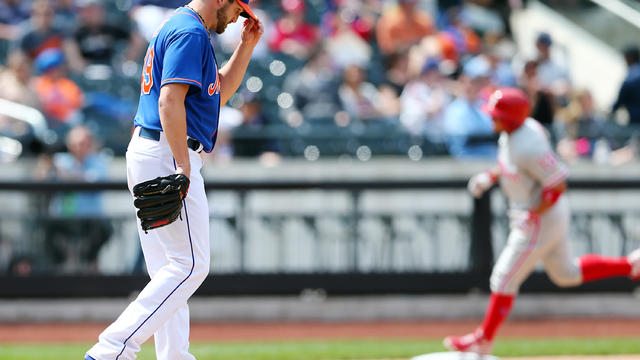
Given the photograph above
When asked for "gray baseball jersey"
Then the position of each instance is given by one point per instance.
(527, 165)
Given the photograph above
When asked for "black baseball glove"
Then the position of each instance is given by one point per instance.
(159, 201)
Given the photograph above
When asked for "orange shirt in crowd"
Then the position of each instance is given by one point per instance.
(59, 97)
(396, 30)
(451, 51)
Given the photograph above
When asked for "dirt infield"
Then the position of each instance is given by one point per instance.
(211, 332)
(221, 332)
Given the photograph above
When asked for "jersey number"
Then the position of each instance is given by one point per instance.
(147, 72)
(547, 162)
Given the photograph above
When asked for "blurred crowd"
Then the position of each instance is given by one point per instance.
(417, 69)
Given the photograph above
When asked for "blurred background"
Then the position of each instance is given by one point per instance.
(341, 162)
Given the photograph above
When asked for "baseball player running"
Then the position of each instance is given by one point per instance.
(534, 182)
(182, 91)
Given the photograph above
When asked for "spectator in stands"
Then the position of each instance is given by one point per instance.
(66, 13)
(77, 230)
(578, 126)
(629, 93)
(16, 80)
(42, 33)
(448, 50)
(292, 35)
(402, 26)
(484, 17)
(424, 100)
(12, 14)
(346, 46)
(314, 87)
(553, 75)
(397, 70)
(580, 117)
(254, 121)
(359, 15)
(388, 102)
(429, 48)
(149, 14)
(469, 130)
(60, 98)
(358, 97)
(15, 86)
(542, 105)
(499, 57)
(457, 36)
(98, 39)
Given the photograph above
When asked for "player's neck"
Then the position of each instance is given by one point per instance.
(205, 11)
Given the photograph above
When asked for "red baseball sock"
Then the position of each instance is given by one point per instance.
(596, 267)
(497, 311)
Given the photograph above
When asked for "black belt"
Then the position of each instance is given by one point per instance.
(193, 144)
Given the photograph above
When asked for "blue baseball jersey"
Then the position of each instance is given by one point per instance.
(181, 52)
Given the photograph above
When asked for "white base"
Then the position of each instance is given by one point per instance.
(454, 356)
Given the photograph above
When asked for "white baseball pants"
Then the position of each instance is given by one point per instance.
(529, 243)
(177, 258)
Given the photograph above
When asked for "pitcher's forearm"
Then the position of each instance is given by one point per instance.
(174, 123)
(232, 73)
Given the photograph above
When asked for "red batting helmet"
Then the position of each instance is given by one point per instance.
(510, 106)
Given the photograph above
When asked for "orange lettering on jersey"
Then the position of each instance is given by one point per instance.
(147, 72)
(214, 88)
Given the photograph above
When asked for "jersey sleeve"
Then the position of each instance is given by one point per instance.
(183, 60)
(545, 168)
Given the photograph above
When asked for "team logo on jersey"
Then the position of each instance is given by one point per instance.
(214, 88)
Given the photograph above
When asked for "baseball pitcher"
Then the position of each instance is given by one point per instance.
(182, 90)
